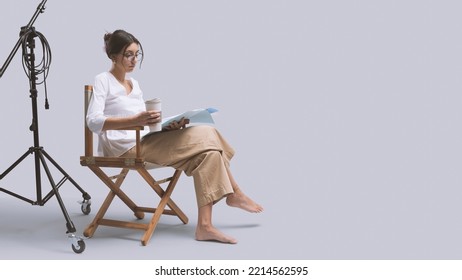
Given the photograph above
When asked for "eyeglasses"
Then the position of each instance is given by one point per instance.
(131, 56)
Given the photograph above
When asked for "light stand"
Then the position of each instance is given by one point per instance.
(27, 41)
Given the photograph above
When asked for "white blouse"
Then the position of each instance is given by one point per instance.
(110, 99)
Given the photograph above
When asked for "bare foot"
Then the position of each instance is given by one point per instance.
(209, 233)
(240, 200)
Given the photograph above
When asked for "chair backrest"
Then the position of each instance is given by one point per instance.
(88, 133)
(88, 93)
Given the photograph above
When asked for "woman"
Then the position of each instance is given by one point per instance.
(200, 151)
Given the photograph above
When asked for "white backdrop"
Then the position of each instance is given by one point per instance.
(345, 116)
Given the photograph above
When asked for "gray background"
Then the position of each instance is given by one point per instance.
(345, 116)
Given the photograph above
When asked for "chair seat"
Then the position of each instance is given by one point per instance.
(131, 163)
(118, 162)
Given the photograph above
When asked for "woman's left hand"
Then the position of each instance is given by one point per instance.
(174, 125)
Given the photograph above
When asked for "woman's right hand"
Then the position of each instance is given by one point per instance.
(147, 118)
(141, 119)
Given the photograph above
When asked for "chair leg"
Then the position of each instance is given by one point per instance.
(115, 187)
(152, 182)
(91, 228)
(157, 214)
(115, 190)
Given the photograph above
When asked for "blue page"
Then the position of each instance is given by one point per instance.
(194, 116)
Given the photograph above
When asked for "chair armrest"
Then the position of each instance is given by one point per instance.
(138, 137)
(131, 128)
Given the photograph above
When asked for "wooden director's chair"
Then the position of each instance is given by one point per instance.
(114, 183)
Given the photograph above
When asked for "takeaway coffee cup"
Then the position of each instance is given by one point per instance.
(154, 105)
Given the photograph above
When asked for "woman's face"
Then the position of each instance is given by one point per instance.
(127, 60)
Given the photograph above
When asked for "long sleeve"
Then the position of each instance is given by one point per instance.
(95, 114)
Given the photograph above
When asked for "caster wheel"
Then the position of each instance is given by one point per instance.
(86, 209)
(81, 247)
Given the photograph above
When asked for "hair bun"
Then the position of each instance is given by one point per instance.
(107, 37)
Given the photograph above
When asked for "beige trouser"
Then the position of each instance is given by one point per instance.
(200, 151)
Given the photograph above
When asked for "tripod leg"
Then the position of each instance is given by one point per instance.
(86, 203)
(85, 195)
(78, 245)
(16, 163)
(69, 224)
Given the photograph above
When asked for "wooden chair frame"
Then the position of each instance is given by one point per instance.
(125, 164)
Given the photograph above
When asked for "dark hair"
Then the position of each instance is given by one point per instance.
(118, 41)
